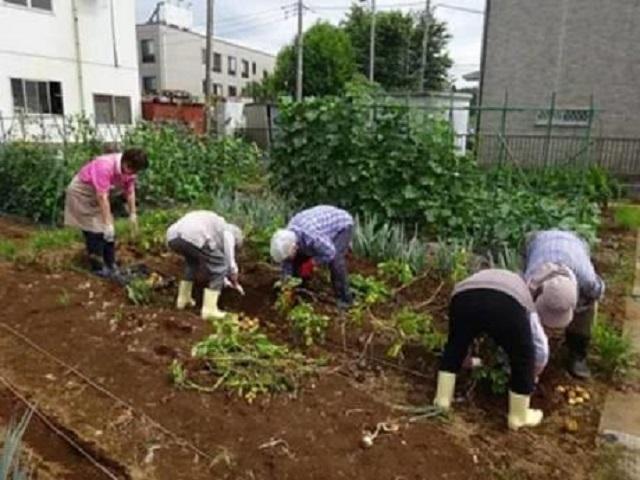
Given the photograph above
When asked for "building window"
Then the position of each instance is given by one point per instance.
(149, 85)
(217, 89)
(112, 109)
(233, 91)
(564, 118)
(233, 65)
(39, 4)
(254, 68)
(245, 69)
(217, 62)
(31, 96)
(265, 74)
(148, 48)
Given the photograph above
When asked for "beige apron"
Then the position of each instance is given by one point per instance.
(81, 209)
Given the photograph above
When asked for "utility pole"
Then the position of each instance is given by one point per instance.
(300, 53)
(208, 60)
(372, 43)
(425, 44)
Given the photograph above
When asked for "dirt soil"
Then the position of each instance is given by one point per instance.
(134, 422)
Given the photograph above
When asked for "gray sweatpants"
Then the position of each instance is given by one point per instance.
(201, 261)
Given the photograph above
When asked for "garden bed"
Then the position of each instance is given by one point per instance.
(142, 426)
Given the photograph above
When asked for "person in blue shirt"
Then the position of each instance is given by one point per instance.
(320, 234)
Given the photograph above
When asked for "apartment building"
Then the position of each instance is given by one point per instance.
(69, 57)
(172, 57)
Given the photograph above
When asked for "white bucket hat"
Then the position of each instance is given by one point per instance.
(558, 295)
(283, 245)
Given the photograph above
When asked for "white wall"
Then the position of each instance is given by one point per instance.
(179, 63)
(39, 45)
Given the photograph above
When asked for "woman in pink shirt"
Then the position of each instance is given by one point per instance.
(87, 204)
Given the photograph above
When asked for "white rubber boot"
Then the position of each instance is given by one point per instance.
(520, 415)
(184, 295)
(210, 305)
(445, 390)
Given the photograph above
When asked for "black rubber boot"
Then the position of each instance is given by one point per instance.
(578, 346)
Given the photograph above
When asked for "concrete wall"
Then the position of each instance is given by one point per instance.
(39, 45)
(576, 48)
(179, 63)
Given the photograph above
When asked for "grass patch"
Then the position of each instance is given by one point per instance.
(627, 216)
(609, 463)
(8, 249)
(46, 240)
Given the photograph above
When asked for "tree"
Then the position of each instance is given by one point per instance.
(399, 48)
(329, 63)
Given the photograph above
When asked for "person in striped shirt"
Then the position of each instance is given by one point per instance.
(320, 234)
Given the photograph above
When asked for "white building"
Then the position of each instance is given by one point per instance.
(68, 57)
(172, 57)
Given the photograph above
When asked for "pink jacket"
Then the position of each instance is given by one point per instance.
(105, 172)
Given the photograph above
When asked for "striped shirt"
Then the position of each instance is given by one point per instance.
(564, 248)
(316, 228)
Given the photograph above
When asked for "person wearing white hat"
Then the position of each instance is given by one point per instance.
(322, 234)
(569, 299)
(499, 304)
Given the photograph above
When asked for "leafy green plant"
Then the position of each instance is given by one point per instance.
(369, 290)
(63, 299)
(496, 376)
(612, 348)
(307, 324)
(396, 270)
(11, 466)
(246, 361)
(287, 294)
(140, 291)
(53, 239)
(411, 326)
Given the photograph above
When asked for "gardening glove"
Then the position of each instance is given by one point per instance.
(109, 233)
(133, 222)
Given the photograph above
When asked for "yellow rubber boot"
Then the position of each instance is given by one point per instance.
(445, 391)
(184, 295)
(520, 415)
(210, 305)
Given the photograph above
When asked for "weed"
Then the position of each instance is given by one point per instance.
(8, 250)
(410, 326)
(246, 361)
(396, 270)
(308, 324)
(496, 376)
(628, 216)
(612, 348)
(140, 291)
(10, 464)
(63, 299)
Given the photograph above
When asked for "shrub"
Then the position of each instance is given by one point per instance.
(307, 324)
(185, 167)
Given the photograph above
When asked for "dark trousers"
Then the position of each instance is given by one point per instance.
(101, 253)
(201, 261)
(338, 267)
(498, 315)
(578, 333)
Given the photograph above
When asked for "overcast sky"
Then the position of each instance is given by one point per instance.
(264, 24)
